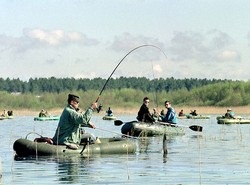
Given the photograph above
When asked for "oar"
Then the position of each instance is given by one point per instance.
(196, 128)
(119, 122)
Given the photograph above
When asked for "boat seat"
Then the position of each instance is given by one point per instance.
(44, 140)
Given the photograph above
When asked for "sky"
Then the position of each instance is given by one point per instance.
(90, 38)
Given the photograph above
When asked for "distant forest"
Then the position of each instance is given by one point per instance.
(122, 92)
(55, 85)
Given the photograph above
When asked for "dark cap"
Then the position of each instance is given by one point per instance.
(73, 97)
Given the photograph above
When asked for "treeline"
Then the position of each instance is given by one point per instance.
(55, 85)
(222, 93)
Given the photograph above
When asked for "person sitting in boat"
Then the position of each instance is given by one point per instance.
(43, 113)
(109, 112)
(69, 130)
(155, 115)
(193, 113)
(181, 113)
(144, 114)
(10, 113)
(229, 114)
(4, 114)
(170, 116)
(162, 115)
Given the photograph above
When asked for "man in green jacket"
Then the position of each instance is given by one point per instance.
(68, 131)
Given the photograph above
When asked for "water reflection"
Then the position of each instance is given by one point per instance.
(143, 144)
(196, 136)
(71, 169)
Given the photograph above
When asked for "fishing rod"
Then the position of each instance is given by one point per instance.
(145, 45)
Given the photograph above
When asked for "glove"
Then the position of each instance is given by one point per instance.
(99, 108)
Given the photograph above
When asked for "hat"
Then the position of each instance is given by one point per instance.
(73, 97)
(229, 109)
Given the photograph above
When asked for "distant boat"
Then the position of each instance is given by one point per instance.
(109, 117)
(6, 117)
(237, 120)
(48, 118)
(189, 116)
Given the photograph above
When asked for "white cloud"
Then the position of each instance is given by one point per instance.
(127, 42)
(58, 37)
(228, 55)
(157, 68)
(202, 47)
(41, 38)
(54, 37)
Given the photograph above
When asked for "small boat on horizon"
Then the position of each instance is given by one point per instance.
(236, 120)
(109, 117)
(6, 117)
(47, 118)
(189, 116)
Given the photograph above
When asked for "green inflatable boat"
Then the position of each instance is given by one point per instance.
(236, 120)
(138, 129)
(49, 118)
(107, 117)
(28, 148)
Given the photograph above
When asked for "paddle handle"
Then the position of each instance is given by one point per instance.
(196, 128)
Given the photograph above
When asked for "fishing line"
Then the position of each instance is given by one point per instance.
(141, 46)
(155, 94)
(117, 133)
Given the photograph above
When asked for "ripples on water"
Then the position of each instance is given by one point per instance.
(218, 155)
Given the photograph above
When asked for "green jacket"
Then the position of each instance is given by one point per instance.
(68, 129)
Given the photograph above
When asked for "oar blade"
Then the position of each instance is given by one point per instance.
(196, 128)
(118, 122)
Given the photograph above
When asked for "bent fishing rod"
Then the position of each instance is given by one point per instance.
(146, 45)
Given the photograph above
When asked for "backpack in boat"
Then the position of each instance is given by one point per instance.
(44, 140)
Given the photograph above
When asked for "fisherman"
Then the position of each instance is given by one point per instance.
(229, 114)
(109, 112)
(42, 113)
(171, 115)
(144, 114)
(69, 131)
(193, 113)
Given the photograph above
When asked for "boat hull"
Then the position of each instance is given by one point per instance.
(136, 128)
(233, 121)
(50, 118)
(26, 148)
(6, 117)
(236, 120)
(197, 117)
(106, 117)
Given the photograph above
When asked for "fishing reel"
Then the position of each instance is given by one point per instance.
(99, 108)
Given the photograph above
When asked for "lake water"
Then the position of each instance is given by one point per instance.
(220, 154)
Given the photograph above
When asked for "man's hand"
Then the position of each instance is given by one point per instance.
(94, 105)
(91, 125)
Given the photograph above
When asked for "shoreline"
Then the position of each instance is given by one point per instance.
(133, 111)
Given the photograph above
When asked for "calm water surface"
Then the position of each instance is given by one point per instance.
(218, 155)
